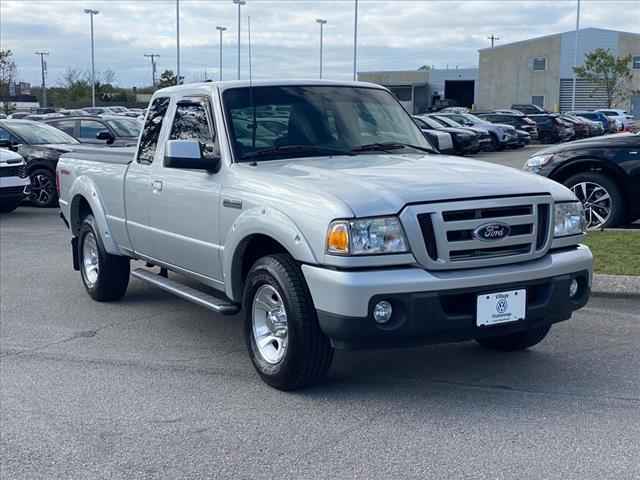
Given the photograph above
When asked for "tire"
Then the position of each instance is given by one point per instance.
(515, 341)
(291, 359)
(105, 276)
(597, 186)
(43, 188)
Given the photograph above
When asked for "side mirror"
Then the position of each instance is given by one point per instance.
(188, 154)
(105, 135)
(5, 143)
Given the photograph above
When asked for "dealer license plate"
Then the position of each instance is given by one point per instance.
(502, 307)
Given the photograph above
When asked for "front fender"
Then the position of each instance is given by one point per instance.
(83, 188)
(260, 221)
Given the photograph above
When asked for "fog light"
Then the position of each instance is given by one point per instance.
(382, 312)
(573, 288)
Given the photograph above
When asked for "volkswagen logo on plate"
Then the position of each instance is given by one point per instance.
(492, 231)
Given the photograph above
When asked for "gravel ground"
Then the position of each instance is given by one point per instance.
(153, 387)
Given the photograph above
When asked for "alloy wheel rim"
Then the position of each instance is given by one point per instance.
(42, 189)
(596, 201)
(90, 259)
(269, 324)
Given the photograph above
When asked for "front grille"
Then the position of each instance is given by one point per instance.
(14, 171)
(452, 232)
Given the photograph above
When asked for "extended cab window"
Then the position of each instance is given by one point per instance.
(193, 122)
(151, 131)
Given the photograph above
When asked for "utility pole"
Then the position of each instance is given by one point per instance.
(575, 58)
(239, 3)
(493, 39)
(91, 13)
(221, 29)
(43, 66)
(355, 42)
(178, 79)
(322, 23)
(153, 57)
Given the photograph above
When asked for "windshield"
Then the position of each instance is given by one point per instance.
(39, 133)
(447, 122)
(302, 121)
(125, 127)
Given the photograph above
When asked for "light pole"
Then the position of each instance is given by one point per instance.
(322, 23)
(493, 39)
(178, 79)
(43, 66)
(91, 13)
(221, 29)
(355, 42)
(153, 57)
(239, 3)
(575, 58)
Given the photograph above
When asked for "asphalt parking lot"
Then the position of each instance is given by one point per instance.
(154, 387)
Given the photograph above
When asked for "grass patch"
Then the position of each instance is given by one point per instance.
(615, 253)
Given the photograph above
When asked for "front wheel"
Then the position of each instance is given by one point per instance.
(603, 203)
(284, 340)
(515, 341)
(105, 276)
(43, 188)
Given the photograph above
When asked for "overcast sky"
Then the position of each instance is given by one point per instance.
(393, 34)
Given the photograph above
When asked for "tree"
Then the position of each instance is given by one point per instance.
(167, 79)
(610, 73)
(8, 72)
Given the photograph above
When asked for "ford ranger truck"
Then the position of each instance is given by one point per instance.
(319, 212)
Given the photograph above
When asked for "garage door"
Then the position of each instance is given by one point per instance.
(588, 95)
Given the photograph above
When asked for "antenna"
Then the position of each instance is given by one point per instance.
(254, 126)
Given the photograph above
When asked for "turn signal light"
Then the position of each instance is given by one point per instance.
(338, 239)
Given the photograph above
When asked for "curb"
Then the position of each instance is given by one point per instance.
(615, 286)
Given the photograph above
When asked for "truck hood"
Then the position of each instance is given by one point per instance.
(372, 185)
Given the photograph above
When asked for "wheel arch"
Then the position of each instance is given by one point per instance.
(256, 234)
(85, 199)
(592, 165)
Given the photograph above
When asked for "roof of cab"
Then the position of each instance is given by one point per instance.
(207, 86)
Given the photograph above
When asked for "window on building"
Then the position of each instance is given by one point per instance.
(636, 62)
(538, 100)
(151, 131)
(539, 64)
(404, 94)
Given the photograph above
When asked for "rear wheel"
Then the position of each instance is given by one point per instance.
(105, 276)
(284, 340)
(515, 341)
(601, 197)
(43, 188)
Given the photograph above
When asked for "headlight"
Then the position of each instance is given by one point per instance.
(569, 219)
(535, 163)
(369, 236)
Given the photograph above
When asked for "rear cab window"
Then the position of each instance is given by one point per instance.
(151, 130)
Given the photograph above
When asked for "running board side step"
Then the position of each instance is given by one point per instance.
(187, 293)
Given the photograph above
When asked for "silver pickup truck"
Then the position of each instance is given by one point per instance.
(320, 211)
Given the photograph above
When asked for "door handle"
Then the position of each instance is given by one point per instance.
(156, 185)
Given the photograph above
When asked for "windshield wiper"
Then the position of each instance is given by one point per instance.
(297, 149)
(388, 146)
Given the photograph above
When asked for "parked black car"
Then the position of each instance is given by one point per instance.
(551, 129)
(464, 142)
(528, 108)
(602, 171)
(41, 146)
(484, 137)
(520, 122)
(580, 128)
(107, 129)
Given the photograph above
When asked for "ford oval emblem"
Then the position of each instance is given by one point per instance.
(492, 231)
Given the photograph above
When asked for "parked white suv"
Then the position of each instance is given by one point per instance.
(620, 116)
(14, 181)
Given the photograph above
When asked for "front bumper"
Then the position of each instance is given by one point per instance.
(434, 307)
